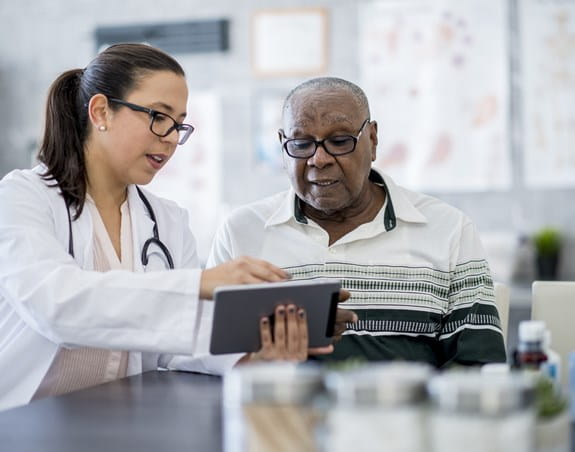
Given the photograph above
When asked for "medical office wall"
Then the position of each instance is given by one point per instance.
(474, 99)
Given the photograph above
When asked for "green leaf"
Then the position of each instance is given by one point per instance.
(547, 241)
(548, 401)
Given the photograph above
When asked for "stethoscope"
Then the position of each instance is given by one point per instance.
(152, 240)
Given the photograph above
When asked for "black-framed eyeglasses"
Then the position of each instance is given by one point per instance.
(161, 124)
(305, 148)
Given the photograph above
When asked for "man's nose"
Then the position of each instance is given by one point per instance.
(321, 157)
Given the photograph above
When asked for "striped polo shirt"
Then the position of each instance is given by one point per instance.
(417, 274)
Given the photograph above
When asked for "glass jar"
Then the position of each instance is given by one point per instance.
(477, 412)
(377, 407)
(269, 407)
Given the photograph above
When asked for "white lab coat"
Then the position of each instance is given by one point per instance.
(50, 300)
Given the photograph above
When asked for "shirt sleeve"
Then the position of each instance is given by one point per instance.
(221, 250)
(203, 361)
(471, 330)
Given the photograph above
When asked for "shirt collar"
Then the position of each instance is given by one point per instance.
(402, 206)
(397, 205)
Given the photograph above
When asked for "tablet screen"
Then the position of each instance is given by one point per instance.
(238, 310)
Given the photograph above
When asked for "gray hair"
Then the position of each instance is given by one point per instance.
(329, 83)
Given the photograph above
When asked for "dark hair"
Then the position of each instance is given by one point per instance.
(330, 83)
(115, 72)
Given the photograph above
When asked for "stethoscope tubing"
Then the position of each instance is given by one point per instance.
(152, 240)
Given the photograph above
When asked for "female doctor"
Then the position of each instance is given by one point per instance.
(99, 278)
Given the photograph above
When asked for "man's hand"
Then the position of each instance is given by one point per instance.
(243, 270)
(342, 317)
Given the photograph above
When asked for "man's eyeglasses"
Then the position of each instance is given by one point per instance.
(304, 148)
(161, 124)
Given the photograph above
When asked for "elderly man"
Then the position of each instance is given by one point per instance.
(414, 265)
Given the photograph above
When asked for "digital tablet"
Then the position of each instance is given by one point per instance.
(238, 310)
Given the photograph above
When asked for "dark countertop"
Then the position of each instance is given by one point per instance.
(155, 411)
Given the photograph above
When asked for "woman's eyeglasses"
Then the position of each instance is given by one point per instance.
(161, 124)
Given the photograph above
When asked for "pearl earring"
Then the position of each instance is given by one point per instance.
(102, 128)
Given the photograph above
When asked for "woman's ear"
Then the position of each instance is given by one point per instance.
(99, 112)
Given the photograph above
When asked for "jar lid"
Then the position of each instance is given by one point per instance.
(482, 393)
(277, 382)
(531, 330)
(390, 383)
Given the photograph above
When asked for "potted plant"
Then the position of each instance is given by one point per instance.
(547, 243)
(552, 427)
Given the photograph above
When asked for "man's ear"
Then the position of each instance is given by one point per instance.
(373, 137)
(280, 137)
(99, 112)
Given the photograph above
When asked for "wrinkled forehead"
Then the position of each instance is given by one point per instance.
(324, 107)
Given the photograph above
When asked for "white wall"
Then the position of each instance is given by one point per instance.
(39, 39)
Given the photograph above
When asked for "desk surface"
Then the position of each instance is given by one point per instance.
(155, 411)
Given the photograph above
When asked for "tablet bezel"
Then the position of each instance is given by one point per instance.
(238, 310)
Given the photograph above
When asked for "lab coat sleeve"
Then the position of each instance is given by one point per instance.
(47, 289)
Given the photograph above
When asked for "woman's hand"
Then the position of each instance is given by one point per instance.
(289, 341)
(243, 270)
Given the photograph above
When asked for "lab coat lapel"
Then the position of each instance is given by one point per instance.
(83, 238)
(142, 229)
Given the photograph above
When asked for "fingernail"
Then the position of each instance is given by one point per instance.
(301, 313)
(288, 275)
(291, 309)
(281, 311)
(265, 320)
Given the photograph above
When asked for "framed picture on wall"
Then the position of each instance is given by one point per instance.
(289, 42)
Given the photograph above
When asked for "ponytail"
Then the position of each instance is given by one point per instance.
(114, 73)
(62, 148)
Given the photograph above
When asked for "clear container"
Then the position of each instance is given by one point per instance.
(269, 407)
(478, 412)
(552, 367)
(377, 407)
(571, 383)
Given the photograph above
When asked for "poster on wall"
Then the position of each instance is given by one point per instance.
(192, 177)
(436, 75)
(547, 39)
(290, 41)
